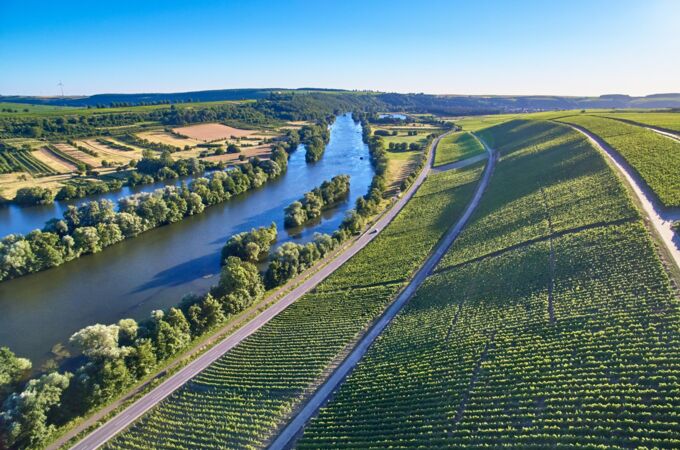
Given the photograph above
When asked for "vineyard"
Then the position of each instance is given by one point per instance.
(242, 399)
(456, 147)
(655, 158)
(666, 120)
(561, 333)
(20, 160)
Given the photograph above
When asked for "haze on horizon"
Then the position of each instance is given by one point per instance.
(499, 47)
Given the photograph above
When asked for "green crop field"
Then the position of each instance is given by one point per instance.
(241, 399)
(656, 158)
(562, 334)
(457, 147)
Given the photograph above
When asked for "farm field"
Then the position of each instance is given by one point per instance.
(261, 151)
(457, 147)
(242, 399)
(655, 158)
(163, 137)
(208, 132)
(76, 155)
(558, 334)
(107, 152)
(55, 162)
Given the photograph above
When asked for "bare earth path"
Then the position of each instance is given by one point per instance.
(661, 218)
(295, 426)
(126, 417)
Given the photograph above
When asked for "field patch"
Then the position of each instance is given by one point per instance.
(457, 147)
(77, 155)
(57, 163)
(109, 153)
(208, 132)
(163, 137)
(261, 151)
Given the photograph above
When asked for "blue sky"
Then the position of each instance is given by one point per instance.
(476, 47)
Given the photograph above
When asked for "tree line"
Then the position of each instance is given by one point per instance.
(315, 137)
(149, 169)
(320, 198)
(97, 224)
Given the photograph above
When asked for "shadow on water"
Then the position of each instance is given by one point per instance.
(156, 269)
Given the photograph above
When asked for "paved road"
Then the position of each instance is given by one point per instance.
(295, 426)
(126, 417)
(459, 164)
(661, 218)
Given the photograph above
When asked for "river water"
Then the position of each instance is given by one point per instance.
(155, 269)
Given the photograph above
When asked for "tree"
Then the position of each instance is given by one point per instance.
(233, 148)
(16, 257)
(295, 215)
(34, 195)
(23, 419)
(127, 331)
(98, 342)
(251, 246)
(86, 240)
(169, 340)
(113, 377)
(12, 369)
(205, 314)
(211, 312)
(177, 320)
(46, 248)
(129, 224)
(284, 265)
(240, 285)
(142, 358)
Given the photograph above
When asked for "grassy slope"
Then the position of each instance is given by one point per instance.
(240, 400)
(457, 147)
(474, 360)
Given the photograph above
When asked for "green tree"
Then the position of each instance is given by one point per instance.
(24, 415)
(12, 370)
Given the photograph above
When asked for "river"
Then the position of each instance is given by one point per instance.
(155, 269)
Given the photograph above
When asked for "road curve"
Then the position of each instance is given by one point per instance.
(126, 417)
(661, 218)
(296, 425)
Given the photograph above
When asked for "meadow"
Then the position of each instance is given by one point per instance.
(560, 333)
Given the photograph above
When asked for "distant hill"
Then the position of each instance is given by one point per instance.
(444, 104)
